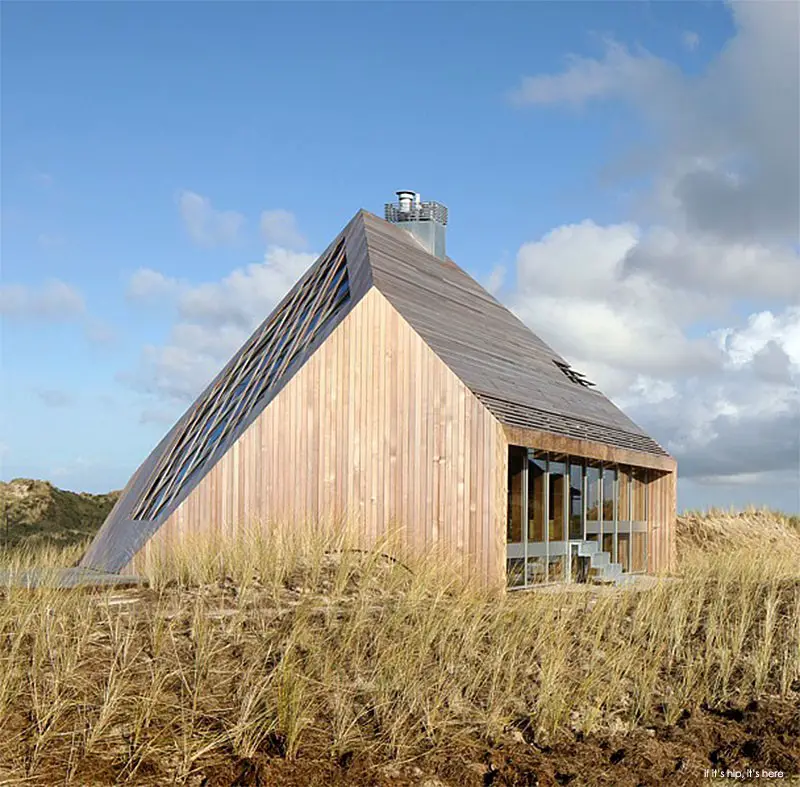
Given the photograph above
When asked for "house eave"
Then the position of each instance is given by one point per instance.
(590, 449)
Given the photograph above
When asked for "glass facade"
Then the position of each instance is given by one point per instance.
(558, 506)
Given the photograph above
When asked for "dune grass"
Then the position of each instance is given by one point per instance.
(290, 644)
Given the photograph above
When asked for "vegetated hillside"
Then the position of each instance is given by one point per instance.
(285, 658)
(37, 512)
(719, 530)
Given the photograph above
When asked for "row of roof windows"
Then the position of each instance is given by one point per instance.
(247, 380)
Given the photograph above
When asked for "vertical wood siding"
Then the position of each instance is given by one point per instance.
(661, 517)
(374, 428)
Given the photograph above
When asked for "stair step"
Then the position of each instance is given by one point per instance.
(587, 548)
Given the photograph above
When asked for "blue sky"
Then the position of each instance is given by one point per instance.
(161, 159)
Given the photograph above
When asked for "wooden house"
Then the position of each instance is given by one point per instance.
(389, 388)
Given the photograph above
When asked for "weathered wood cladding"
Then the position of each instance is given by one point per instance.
(661, 518)
(661, 486)
(545, 441)
(374, 428)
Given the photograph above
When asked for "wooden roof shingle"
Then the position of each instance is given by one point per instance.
(512, 371)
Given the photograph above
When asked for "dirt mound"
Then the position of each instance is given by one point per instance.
(702, 747)
(33, 511)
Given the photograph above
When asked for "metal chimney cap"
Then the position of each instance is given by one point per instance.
(407, 200)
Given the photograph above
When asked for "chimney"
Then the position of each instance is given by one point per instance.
(426, 221)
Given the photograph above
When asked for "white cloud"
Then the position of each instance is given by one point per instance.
(653, 310)
(279, 228)
(146, 285)
(764, 331)
(496, 278)
(206, 225)
(243, 296)
(722, 402)
(736, 269)
(214, 320)
(722, 143)
(571, 285)
(73, 469)
(690, 40)
(54, 300)
(618, 74)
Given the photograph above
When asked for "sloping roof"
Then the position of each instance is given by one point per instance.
(492, 351)
(255, 375)
(503, 362)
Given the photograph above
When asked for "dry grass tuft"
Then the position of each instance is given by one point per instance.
(293, 646)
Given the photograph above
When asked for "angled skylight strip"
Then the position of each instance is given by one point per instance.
(208, 412)
(258, 367)
(322, 295)
(205, 412)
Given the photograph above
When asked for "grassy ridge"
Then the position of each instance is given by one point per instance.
(292, 647)
(36, 512)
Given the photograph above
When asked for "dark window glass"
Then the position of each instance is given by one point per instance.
(557, 497)
(593, 502)
(536, 475)
(575, 500)
(517, 457)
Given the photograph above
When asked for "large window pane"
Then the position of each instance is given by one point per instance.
(536, 475)
(536, 548)
(517, 457)
(557, 502)
(624, 519)
(593, 502)
(575, 500)
(609, 511)
(609, 495)
(515, 572)
(639, 521)
(515, 550)
(623, 510)
(557, 499)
